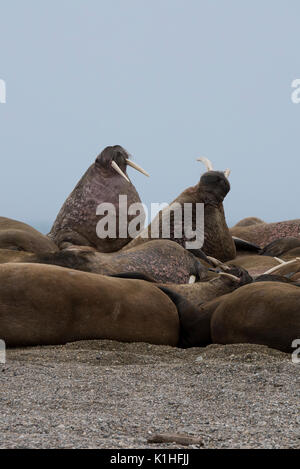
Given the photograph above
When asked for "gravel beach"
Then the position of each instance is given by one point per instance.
(103, 394)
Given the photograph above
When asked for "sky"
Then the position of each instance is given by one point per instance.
(169, 80)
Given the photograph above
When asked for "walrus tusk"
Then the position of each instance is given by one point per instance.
(207, 163)
(279, 267)
(192, 280)
(137, 167)
(281, 261)
(227, 173)
(116, 168)
(233, 277)
(214, 261)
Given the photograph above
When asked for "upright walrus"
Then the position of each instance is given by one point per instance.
(104, 182)
(210, 191)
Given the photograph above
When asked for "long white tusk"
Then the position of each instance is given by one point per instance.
(233, 277)
(279, 267)
(116, 167)
(281, 261)
(227, 173)
(207, 163)
(137, 167)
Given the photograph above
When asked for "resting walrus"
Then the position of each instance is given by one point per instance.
(103, 182)
(18, 236)
(162, 260)
(48, 305)
(261, 313)
(265, 233)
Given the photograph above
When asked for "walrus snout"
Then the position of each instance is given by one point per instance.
(115, 160)
(116, 154)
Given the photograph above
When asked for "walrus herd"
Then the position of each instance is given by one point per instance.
(241, 286)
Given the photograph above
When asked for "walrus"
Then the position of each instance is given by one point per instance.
(50, 305)
(210, 191)
(287, 268)
(199, 292)
(264, 233)
(281, 246)
(254, 264)
(18, 236)
(249, 221)
(162, 260)
(260, 313)
(291, 254)
(244, 248)
(104, 182)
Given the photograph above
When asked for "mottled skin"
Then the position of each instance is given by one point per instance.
(265, 313)
(265, 233)
(77, 220)
(162, 260)
(18, 236)
(211, 191)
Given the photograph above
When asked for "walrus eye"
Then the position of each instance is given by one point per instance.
(137, 167)
(119, 170)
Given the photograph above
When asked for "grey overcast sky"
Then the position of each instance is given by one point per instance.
(170, 80)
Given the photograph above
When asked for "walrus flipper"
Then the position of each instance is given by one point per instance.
(194, 323)
(243, 245)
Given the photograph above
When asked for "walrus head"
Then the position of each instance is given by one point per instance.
(213, 185)
(212, 190)
(115, 159)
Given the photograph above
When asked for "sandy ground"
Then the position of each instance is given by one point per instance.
(105, 394)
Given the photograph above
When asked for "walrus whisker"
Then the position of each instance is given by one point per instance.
(137, 167)
(206, 162)
(119, 170)
(227, 173)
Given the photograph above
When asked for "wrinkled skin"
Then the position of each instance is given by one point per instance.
(264, 313)
(264, 233)
(211, 191)
(18, 236)
(77, 220)
(162, 260)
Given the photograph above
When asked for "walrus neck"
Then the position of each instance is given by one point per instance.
(197, 194)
